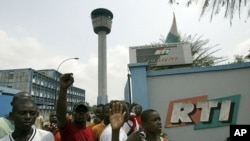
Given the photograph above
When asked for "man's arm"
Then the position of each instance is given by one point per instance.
(61, 109)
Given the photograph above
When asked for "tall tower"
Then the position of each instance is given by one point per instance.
(102, 20)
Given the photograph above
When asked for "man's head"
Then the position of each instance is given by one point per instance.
(24, 113)
(99, 113)
(80, 113)
(17, 97)
(20, 96)
(138, 109)
(151, 121)
(106, 113)
(52, 117)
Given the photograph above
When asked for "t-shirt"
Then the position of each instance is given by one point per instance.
(37, 135)
(6, 127)
(107, 134)
(138, 118)
(73, 133)
(57, 136)
(131, 126)
(92, 124)
(97, 130)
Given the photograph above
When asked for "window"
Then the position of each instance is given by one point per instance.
(11, 75)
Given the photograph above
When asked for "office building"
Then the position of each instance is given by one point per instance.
(43, 85)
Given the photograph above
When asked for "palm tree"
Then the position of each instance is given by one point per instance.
(202, 52)
(215, 6)
(239, 59)
(248, 56)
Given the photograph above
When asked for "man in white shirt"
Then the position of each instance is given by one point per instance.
(24, 113)
(6, 123)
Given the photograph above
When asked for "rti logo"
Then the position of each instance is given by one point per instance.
(203, 112)
(239, 132)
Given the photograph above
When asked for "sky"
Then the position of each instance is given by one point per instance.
(40, 34)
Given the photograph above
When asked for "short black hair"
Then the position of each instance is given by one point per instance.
(20, 95)
(145, 114)
(16, 104)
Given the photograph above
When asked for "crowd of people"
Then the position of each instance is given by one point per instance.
(114, 121)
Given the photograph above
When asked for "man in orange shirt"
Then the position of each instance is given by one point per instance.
(98, 128)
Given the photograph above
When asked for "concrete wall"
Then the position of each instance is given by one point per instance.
(215, 82)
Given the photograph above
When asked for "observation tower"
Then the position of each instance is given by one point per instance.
(102, 21)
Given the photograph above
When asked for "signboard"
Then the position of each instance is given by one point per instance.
(162, 54)
(203, 113)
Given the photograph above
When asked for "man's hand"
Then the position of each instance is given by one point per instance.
(66, 80)
(54, 128)
(116, 116)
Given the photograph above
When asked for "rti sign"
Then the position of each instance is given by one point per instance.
(203, 113)
(162, 54)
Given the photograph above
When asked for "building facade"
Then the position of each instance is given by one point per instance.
(43, 85)
(194, 103)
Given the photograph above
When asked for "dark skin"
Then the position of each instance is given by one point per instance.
(138, 109)
(99, 112)
(53, 123)
(61, 109)
(153, 126)
(17, 97)
(79, 117)
(24, 114)
(116, 118)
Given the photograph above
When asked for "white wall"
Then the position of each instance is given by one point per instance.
(216, 83)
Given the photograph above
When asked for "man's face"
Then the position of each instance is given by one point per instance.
(153, 123)
(99, 113)
(52, 117)
(80, 117)
(80, 114)
(24, 115)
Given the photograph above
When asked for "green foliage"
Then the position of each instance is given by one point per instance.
(202, 52)
(163, 135)
(248, 56)
(231, 7)
(241, 58)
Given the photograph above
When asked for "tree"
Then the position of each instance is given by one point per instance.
(202, 52)
(241, 58)
(215, 6)
(248, 56)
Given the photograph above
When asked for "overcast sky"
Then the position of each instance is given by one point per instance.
(40, 34)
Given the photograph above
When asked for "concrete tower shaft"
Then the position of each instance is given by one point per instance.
(102, 21)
